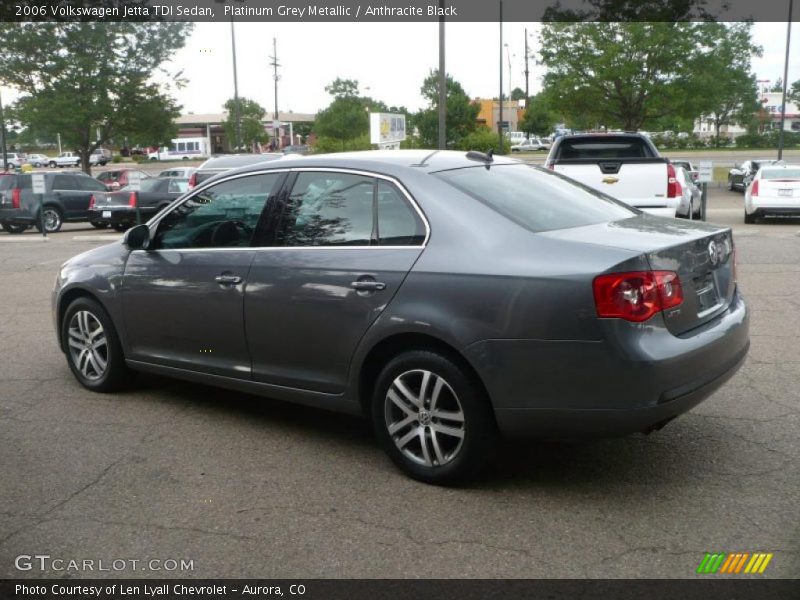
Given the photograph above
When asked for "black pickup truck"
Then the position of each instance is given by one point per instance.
(124, 208)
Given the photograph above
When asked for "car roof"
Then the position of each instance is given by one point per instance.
(232, 161)
(386, 161)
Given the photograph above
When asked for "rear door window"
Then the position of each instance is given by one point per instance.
(64, 182)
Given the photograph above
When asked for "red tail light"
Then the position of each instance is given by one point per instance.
(132, 200)
(192, 180)
(636, 296)
(16, 198)
(673, 187)
(754, 189)
(91, 202)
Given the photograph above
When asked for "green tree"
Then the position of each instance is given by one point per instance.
(722, 72)
(461, 118)
(251, 127)
(629, 75)
(346, 117)
(793, 93)
(518, 94)
(777, 86)
(91, 81)
(538, 119)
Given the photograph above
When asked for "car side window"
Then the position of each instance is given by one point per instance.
(64, 182)
(89, 184)
(328, 209)
(398, 223)
(221, 216)
(178, 186)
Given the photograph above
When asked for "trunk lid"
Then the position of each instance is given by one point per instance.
(700, 253)
(639, 182)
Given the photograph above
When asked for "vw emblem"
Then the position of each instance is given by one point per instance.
(713, 253)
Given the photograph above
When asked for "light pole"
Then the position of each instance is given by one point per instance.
(527, 53)
(508, 57)
(275, 64)
(500, 120)
(442, 85)
(785, 82)
(3, 134)
(237, 116)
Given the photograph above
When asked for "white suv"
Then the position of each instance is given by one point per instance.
(15, 160)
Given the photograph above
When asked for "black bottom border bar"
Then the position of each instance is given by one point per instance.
(401, 589)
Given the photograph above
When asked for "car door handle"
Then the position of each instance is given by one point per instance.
(368, 286)
(226, 279)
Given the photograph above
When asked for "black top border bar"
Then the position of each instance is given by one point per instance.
(393, 10)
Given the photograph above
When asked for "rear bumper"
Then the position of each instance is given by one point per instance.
(120, 215)
(561, 389)
(16, 216)
(668, 211)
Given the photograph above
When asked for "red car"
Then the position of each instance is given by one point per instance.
(118, 178)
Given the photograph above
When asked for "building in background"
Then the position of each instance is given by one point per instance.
(513, 111)
(209, 126)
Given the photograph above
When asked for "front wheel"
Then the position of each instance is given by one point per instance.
(432, 418)
(52, 164)
(94, 354)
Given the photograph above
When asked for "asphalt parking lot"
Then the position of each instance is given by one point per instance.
(248, 487)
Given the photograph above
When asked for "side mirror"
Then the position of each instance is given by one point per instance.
(137, 238)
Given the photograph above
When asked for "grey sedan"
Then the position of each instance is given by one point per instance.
(452, 298)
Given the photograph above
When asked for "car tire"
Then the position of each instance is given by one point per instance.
(14, 228)
(94, 353)
(120, 227)
(99, 224)
(749, 219)
(52, 164)
(53, 219)
(433, 418)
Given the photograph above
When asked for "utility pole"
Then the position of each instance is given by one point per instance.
(275, 64)
(442, 85)
(527, 94)
(236, 111)
(3, 134)
(785, 82)
(500, 121)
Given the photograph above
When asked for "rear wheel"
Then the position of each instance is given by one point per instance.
(749, 219)
(52, 220)
(92, 346)
(99, 224)
(12, 228)
(52, 164)
(120, 227)
(432, 418)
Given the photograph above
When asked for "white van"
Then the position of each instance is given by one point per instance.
(182, 149)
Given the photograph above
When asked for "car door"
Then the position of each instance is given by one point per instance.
(72, 199)
(183, 297)
(339, 245)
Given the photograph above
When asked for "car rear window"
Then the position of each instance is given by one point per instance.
(6, 181)
(614, 147)
(780, 173)
(535, 198)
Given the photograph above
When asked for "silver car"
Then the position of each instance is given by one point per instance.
(450, 297)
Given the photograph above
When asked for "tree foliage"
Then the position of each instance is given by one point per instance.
(538, 119)
(631, 75)
(461, 112)
(251, 127)
(518, 94)
(91, 81)
(793, 93)
(346, 117)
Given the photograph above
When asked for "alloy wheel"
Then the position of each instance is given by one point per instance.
(88, 345)
(424, 418)
(52, 220)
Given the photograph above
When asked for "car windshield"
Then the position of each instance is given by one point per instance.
(535, 198)
(780, 173)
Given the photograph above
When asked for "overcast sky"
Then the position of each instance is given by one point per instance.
(389, 60)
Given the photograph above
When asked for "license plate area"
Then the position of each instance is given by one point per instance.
(707, 294)
(106, 214)
(785, 192)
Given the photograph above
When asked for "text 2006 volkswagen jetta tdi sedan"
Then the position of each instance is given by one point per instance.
(450, 297)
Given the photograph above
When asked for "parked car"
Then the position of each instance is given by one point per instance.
(180, 172)
(117, 179)
(450, 297)
(531, 145)
(694, 173)
(226, 162)
(775, 190)
(122, 209)
(740, 176)
(38, 160)
(691, 202)
(65, 159)
(100, 156)
(14, 159)
(66, 199)
(297, 149)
